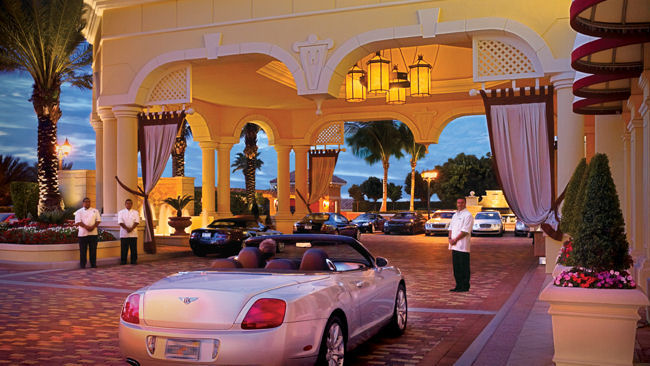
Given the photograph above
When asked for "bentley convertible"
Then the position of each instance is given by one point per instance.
(314, 301)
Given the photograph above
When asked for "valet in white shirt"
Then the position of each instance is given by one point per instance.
(89, 216)
(128, 217)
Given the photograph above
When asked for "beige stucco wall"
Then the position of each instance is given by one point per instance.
(75, 185)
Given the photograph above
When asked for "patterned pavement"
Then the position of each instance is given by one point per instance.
(70, 317)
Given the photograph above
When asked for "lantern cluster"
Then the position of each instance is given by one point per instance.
(380, 80)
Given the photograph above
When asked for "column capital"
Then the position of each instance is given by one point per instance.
(224, 146)
(563, 80)
(634, 124)
(126, 110)
(207, 145)
(96, 122)
(301, 148)
(282, 148)
(105, 113)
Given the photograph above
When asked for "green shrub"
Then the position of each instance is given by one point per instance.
(24, 195)
(569, 208)
(600, 243)
(57, 217)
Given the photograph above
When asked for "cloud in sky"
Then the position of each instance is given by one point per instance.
(18, 136)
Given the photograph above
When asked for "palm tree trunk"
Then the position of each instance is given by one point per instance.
(178, 157)
(412, 206)
(46, 106)
(250, 182)
(385, 187)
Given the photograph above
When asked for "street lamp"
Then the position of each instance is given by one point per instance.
(429, 175)
(62, 151)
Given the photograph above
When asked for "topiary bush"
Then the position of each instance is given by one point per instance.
(569, 208)
(600, 243)
(24, 195)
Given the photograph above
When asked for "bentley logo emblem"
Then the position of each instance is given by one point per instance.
(187, 300)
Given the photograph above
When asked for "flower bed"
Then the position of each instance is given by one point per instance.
(580, 277)
(31, 232)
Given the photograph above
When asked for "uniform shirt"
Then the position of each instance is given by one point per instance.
(128, 218)
(462, 221)
(89, 217)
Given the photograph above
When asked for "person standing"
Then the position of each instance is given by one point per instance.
(87, 219)
(460, 230)
(128, 219)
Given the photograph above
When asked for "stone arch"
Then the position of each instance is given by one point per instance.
(269, 127)
(449, 115)
(365, 43)
(199, 126)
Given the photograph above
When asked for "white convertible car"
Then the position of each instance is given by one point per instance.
(318, 298)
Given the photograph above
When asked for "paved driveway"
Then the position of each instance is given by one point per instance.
(60, 317)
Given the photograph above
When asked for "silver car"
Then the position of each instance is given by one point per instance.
(318, 298)
(488, 222)
(439, 222)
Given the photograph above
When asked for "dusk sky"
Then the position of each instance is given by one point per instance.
(18, 138)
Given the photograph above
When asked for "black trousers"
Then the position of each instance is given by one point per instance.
(87, 243)
(460, 260)
(127, 243)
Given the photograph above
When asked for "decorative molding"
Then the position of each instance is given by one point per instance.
(174, 87)
(502, 58)
(212, 41)
(332, 134)
(312, 57)
(563, 80)
(428, 19)
(207, 145)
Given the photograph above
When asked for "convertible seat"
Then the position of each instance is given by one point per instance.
(225, 263)
(250, 257)
(314, 260)
(281, 264)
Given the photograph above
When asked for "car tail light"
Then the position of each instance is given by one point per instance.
(131, 309)
(265, 313)
(194, 235)
(151, 344)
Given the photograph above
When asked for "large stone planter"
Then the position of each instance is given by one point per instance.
(29, 253)
(179, 224)
(593, 326)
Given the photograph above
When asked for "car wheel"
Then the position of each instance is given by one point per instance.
(371, 228)
(332, 346)
(397, 324)
(500, 234)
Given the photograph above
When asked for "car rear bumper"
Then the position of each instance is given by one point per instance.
(398, 229)
(223, 248)
(282, 345)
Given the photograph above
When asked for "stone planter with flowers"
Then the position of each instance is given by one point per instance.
(594, 304)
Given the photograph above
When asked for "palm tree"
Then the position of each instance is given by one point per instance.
(44, 39)
(416, 151)
(244, 164)
(178, 152)
(13, 170)
(249, 133)
(374, 142)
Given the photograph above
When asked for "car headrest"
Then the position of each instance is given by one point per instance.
(280, 264)
(250, 257)
(314, 260)
(225, 263)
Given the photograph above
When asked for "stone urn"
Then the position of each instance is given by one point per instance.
(179, 223)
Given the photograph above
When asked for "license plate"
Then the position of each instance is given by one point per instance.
(182, 349)
(307, 227)
(206, 235)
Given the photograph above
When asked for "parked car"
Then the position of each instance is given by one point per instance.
(225, 236)
(405, 222)
(488, 222)
(369, 222)
(439, 222)
(522, 229)
(337, 297)
(326, 223)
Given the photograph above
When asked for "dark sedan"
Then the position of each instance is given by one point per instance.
(405, 222)
(326, 223)
(368, 222)
(225, 236)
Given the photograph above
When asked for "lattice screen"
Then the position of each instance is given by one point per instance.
(331, 135)
(496, 58)
(173, 88)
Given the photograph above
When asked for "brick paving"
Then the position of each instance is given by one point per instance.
(74, 326)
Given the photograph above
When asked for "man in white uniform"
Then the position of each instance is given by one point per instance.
(128, 219)
(460, 229)
(87, 219)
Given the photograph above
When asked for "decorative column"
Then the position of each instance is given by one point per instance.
(223, 198)
(627, 166)
(634, 222)
(96, 122)
(109, 164)
(207, 182)
(570, 130)
(301, 177)
(644, 113)
(283, 219)
(127, 150)
(609, 140)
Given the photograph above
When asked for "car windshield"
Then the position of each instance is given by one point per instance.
(442, 215)
(404, 215)
(364, 217)
(317, 217)
(225, 223)
(488, 216)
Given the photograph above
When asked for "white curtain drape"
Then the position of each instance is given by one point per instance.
(322, 170)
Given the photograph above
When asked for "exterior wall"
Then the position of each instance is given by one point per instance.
(75, 185)
(167, 187)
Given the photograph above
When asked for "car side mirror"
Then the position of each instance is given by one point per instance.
(381, 262)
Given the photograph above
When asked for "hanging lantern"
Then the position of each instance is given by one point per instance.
(420, 78)
(378, 74)
(355, 85)
(397, 91)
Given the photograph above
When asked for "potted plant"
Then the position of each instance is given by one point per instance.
(179, 222)
(594, 304)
